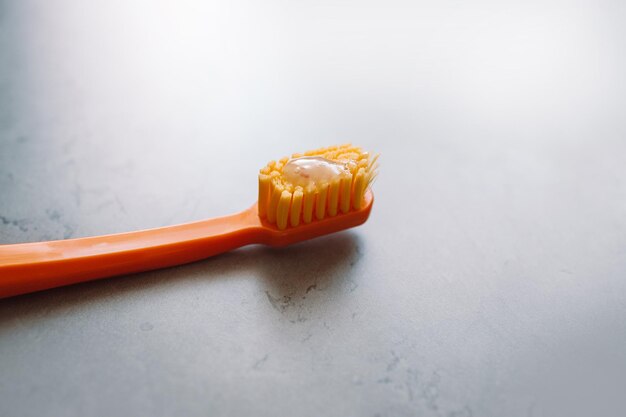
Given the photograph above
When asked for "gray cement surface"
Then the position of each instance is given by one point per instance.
(490, 279)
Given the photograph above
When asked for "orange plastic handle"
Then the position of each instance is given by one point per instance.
(29, 267)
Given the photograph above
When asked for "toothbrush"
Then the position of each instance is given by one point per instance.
(302, 197)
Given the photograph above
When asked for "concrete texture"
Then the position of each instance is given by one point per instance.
(489, 280)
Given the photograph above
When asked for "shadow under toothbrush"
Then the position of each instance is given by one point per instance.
(289, 277)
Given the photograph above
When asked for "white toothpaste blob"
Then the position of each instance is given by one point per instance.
(313, 169)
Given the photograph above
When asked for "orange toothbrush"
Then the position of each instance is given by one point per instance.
(302, 197)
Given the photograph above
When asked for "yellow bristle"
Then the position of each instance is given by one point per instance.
(282, 212)
(371, 178)
(358, 189)
(320, 201)
(277, 190)
(296, 207)
(333, 197)
(373, 163)
(264, 194)
(346, 190)
(308, 202)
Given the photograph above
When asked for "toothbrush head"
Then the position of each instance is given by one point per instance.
(327, 187)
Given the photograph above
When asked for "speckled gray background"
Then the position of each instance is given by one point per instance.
(489, 281)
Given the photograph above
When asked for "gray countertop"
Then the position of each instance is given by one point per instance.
(490, 279)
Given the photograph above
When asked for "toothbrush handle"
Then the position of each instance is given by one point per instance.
(30, 267)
